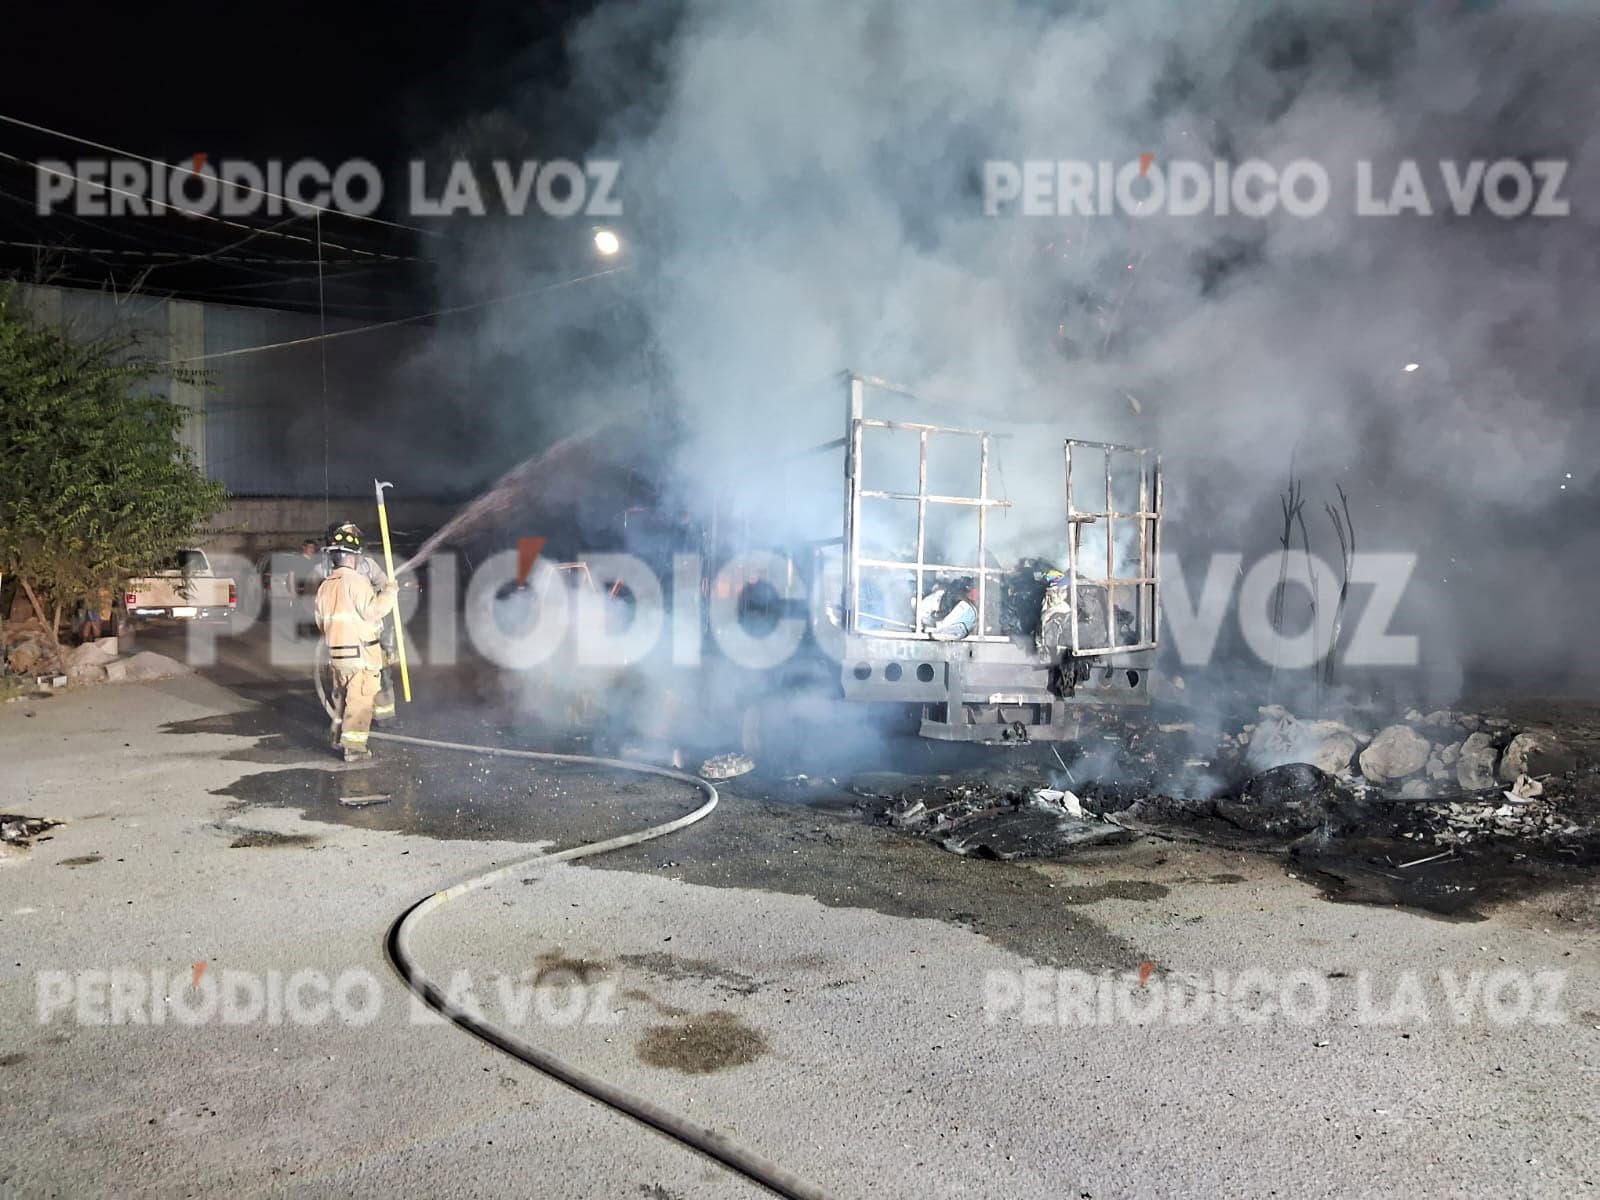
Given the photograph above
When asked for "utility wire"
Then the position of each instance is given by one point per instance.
(178, 258)
(211, 255)
(442, 312)
(258, 265)
(226, 182)
(251, 229)
(118, 229)
(290, 280)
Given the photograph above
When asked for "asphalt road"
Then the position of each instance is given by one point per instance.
(877, 1015)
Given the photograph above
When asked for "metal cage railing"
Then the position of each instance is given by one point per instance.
(917, 567)
(1145, 583)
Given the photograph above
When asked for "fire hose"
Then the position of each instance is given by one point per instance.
(688, 1133)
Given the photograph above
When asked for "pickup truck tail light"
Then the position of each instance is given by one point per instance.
(233, 595)
(130, 599)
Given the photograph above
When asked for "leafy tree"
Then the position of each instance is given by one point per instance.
(95, 486)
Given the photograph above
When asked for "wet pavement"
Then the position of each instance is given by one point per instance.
(763, 971)
(819, 842)
(808, 835)
(801, 834)
(1462, 885)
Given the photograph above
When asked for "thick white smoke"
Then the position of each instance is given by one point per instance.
(803, 193)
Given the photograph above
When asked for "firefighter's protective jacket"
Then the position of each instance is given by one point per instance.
(350, 615)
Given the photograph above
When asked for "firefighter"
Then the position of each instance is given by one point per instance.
(383, 706)
(350, 615)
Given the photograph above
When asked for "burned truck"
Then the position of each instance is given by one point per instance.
(992, 579)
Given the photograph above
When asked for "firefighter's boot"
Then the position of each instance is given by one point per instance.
(383, 702)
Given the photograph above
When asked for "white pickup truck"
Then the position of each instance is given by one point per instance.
(185, 591)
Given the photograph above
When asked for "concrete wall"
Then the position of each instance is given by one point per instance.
(254, 527)
(186, 330)
(283, 411)
(278, 427)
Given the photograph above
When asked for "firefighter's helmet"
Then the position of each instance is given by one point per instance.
(343, 537)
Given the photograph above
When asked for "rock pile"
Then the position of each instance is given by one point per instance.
(1438, 754)
(29, 649)
(30, 653)
(1394, 754)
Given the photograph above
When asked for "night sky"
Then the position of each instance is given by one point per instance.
(329, 81)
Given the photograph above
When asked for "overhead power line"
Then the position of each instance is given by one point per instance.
(147, 257)
(104, 226)
(412, 320)
(250, 229)
(21, 124)
(178, 257)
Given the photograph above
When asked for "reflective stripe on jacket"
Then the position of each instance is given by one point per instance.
(350, 615)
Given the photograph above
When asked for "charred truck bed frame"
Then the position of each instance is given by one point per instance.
(999, 682)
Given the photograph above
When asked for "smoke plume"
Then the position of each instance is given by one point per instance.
(803, 192)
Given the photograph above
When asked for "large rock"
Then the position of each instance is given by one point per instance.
(1437, 768)
(1534, 753)
(1278, 741)
(1395, 753)
(1475, 766)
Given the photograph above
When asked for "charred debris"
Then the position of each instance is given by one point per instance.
(1442, 795)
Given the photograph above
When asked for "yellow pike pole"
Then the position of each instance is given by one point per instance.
(388, 567)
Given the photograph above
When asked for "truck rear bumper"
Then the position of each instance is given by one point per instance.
(989, 692)
(181, 613)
